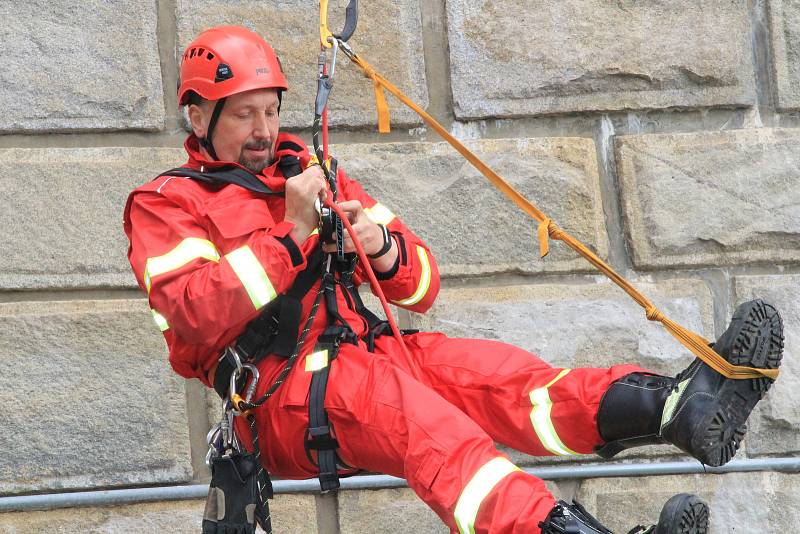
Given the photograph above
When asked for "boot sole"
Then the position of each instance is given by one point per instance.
(759, 344)
(683, 514)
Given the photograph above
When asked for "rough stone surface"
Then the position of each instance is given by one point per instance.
(775, 424)
(585, 325)
(785, 32)
(101, 406)
(388, 510)
(291, 27)
(714, 198)
(739, 502)
(290, 513)
(63, 71)
(470, 226)
(61, 216)
(511, 58)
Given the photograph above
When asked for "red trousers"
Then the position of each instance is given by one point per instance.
(433, 420)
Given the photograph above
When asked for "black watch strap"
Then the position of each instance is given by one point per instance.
(387, 244)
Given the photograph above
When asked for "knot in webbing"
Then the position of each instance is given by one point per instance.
(653, 314)
(547, 229)
(369, 71)
(381, 106)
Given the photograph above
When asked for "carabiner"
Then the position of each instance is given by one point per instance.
(251, 389)
(351, 20)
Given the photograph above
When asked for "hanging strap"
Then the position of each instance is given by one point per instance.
(547, 229)
(319, 434)
(226, 175)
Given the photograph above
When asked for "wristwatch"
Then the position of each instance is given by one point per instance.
(387, 244)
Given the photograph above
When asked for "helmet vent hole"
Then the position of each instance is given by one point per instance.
(210, 56)
(191, 53)
(200, 52)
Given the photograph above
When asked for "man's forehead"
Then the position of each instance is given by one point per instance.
(256, 98)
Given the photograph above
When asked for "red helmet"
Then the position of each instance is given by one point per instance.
(227, 60)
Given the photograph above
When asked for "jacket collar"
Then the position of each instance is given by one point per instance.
(271, 175)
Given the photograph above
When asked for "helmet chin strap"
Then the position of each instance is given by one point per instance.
(206, 142)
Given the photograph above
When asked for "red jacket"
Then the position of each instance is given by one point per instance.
(210, 259)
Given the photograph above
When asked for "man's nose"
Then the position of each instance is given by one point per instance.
(260, 127)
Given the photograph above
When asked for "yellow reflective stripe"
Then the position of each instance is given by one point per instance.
(424, 280)
(379, 214)
(161, 322)
(540, 417)
(317, 360)
(477, 489)
(252, 275)
(187, 250)
(672, 403)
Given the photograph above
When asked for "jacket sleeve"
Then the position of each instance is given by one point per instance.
(413, 283)
(197, 290)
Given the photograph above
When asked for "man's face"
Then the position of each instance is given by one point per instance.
(246, 129)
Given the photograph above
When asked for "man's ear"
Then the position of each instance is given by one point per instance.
(198, 118)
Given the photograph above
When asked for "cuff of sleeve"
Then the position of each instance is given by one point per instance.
(391, 272)
(281, 232)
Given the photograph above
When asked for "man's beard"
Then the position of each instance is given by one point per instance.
(256, 165)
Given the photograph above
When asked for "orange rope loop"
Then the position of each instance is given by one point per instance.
(548, 229)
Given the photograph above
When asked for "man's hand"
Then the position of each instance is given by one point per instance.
(301, 193)
(368, 233)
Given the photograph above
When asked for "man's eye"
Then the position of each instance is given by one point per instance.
(242, 115)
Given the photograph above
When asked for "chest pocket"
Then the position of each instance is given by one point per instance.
(230, 225)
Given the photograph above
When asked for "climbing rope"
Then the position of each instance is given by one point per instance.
(548, 229)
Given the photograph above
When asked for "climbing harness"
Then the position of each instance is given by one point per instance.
(274, 331)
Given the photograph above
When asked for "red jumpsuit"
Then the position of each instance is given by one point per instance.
(210, 259)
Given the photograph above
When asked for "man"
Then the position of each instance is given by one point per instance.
(212, 257)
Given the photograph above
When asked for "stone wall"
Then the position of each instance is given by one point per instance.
(662, 134)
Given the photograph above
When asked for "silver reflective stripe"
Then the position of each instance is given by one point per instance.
(543, 424)
(187, 250)
(379, 214)
(476, 490)
(424, 280)
(161, 322)
(252, 275)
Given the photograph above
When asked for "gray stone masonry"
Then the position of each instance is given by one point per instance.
(71, 66)
(400, 509)
(352, 102)
(785, 25)
(90, 398)
(470, 226)
(511, 59)
(711, 199)
(290, 513)
(594, 324)
(61, 216)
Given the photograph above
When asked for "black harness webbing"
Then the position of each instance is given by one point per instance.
(221, 176)
(319, 436)
(275, 330)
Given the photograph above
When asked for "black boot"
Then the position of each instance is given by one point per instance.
(700, 411)
(682, 514)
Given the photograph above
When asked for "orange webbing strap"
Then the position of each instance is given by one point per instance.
(548, 229)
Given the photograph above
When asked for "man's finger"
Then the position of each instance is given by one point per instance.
(350, 206)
